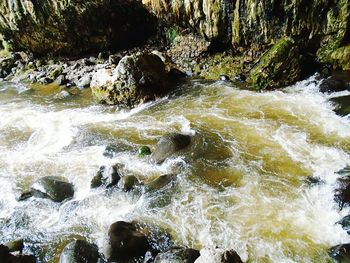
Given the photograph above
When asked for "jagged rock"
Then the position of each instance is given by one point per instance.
(342, 193)
(107, 176)
(341, 253)
(126, 242)
(79, 251)
(280, 60)
(333, 84)
(345, 223)
(137, 78)
(168, 145)
(176, 255)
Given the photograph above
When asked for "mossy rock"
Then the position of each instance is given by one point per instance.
(341, 57)
(278, 67)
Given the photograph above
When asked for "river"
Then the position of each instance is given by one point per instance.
(242, 184)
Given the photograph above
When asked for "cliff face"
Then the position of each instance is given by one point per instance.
(73, 26)
(313, 24)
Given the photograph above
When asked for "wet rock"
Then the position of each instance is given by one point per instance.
(45, 80)
(342, 193)
(278, 67)
(144, 150)
(15, 245)
(114, 59)
(313, 181)
(7, 257)
(79, 251)
(62, 95)
(126, 242)
(137, 78)
(128, 182)
(53, 187)
(84, 82)
(61, 80)
(168, 145)
(341, 253)
(342, 105)
(175, 255)
(333, 84)
(160, 182)
(345, 223)
(208, 255)
(107, 176)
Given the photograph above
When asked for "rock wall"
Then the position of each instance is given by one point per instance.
(73, 26)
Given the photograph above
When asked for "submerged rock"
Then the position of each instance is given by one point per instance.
(278, 67)
(52, 187)
(333, 84)
(342, 105)
(79, 251)
(15, 245)
(176, 255)
(160, 182)
(128, 182)
(345, 223)
(168, 145)
(341, 253)
(137, 78)
(126, 242)
(144, 150)
(107, 176)
(342, 193)
(218, 256)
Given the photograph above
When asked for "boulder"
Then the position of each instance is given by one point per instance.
(177, 255)
(128, 182)
(333, 84)
(137, 78)
(7, 257)
(160, 182)
(342, 105)
(342, 193)
(280, 60)
(15, 245)
(126, 242)
(168, 145)
(208, 255)
(341, 253)
(107, 176)
(79, 251)
(345, 223)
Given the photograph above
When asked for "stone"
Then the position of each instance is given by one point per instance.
(84, 81)
(177, 255)
(342, 105)
(15, 245)
(7, 257)
(341, 253)
(62, 95)
(61, 80)
(160, 182)
(126, 242)
(137, 78)
(168, 145)
(79, 251)
(209, 255)
(128, 183)
(278, 67)
(107, 176)
(53, 187)
(342, 192)
(345, 223)
(333, 84)
(144, 150)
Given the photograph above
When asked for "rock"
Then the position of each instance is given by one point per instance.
(79, 251)
(61, 80)
(224, 78)
(107, 176)
(45, 80)
(168, 145)
(84, 82)
(114, 59)
(55, 72)
(345, 223)
(128, 182)
(160, 182)
(126, 242)
(62, 95)
(342, 193)
(53, 187)
(208, 255)
(342, 105)
(144, 150)
(15, 245)
(137, 78)
(278, 67)
(333, 84)
(85, 26)
(7, 257)
(176, 255)
(112, 149)
(341, 253)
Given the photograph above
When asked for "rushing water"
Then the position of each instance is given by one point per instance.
(241, 184)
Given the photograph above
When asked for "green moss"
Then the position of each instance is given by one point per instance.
(172, 33)
(278, 67)
(341, 56)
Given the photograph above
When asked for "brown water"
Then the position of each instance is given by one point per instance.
(241, 184)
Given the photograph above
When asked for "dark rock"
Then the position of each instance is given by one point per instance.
(313, 180)
(53, 187)
(240, 77)
(342, 193)
(342, 105)
(168, 145)
(61, 80)
(185, 255)
(333, 84)
(160, 182)
(176, 74)
(126, 242)
(79, 251)
(25, 196)
(345, 223)
(107, 176)
(114, 59)
(341, 253)
(15, 245)
(137, 78)
(231, 256)
(7, 257)
(128, 182)
(144, 150)
(45, 80)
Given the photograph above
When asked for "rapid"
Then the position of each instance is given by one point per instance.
(242, 184)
